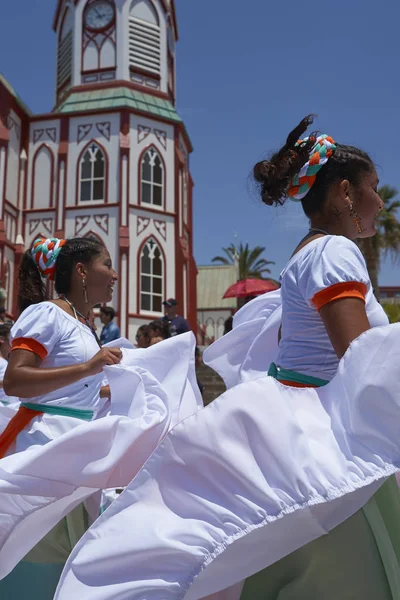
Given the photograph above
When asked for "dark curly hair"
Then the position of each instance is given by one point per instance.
(161, 328)
(274, 175)
(31, 286)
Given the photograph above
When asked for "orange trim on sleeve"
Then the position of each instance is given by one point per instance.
(31, 345)
(347, 289)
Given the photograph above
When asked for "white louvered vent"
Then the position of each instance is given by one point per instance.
(64, 60)
(144, 45)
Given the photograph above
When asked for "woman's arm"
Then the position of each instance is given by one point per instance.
(25, 379)
(345, 319)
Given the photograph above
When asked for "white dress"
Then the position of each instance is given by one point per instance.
(266, 468)
(59, 461)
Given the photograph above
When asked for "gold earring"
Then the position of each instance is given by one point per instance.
(84, 289)
(356, 219)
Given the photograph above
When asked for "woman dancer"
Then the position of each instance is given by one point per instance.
(56, 368)
(276, 482)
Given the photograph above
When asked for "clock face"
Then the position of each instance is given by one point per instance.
(99, 15)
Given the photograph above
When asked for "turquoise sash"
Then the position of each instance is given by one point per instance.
(85, 415)
(285, 375)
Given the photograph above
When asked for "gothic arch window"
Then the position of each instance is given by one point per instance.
(171, 59)
(152, 267)
(64, 54)
(152, 178)
(42, 178)
(144, 37)
(92, 173)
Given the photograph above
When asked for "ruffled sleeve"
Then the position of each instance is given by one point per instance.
(334, 269)
(37, 329)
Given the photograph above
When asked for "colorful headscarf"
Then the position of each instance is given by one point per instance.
(320, 153)
(45, 253)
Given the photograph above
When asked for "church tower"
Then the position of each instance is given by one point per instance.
(112, 159)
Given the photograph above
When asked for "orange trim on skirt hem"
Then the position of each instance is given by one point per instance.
(17, 424)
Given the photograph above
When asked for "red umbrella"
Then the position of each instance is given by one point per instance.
(250, 287)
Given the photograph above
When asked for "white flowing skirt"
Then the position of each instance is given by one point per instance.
(260, 472)
(151, 391)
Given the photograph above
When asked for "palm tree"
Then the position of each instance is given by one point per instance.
(386, 241)
(249, 262)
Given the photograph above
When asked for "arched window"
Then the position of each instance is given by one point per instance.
(144, 37)
(92, 175)
(43, 178)
(151, 277)
(152, 178)
(64, 54)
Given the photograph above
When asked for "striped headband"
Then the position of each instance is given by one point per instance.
(320, 152)
(45, 253)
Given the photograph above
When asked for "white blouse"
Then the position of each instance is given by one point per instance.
(67, 341)
(305, 346)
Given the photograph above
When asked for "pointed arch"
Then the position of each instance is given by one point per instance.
(92, 173)
(93, 234)
(42, 178)
(152, 178)
(145, 11)
(64, 51)
(151, 276)
(144, 37)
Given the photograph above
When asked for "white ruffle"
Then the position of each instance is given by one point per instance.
(42, 484)
(246, 352)
(260, 472)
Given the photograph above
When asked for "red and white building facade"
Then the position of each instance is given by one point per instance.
(111, 160)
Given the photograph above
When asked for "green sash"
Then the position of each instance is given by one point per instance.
(285, 375)
(85, 415)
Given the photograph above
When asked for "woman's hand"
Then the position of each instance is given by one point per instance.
(105, 357)
(105, 392)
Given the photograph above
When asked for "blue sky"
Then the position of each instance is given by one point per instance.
(247, 73)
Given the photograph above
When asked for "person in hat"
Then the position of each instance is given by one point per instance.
(177, 324)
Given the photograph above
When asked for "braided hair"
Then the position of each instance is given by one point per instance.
(274, 176)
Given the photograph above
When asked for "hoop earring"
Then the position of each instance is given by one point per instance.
(356, 219)
(84, 290)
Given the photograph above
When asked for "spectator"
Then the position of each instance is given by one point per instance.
(3, 318)
(110, 331)
(228, 325)
(3, 296)
(177, 324)
(158, 331)
(143, 337)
